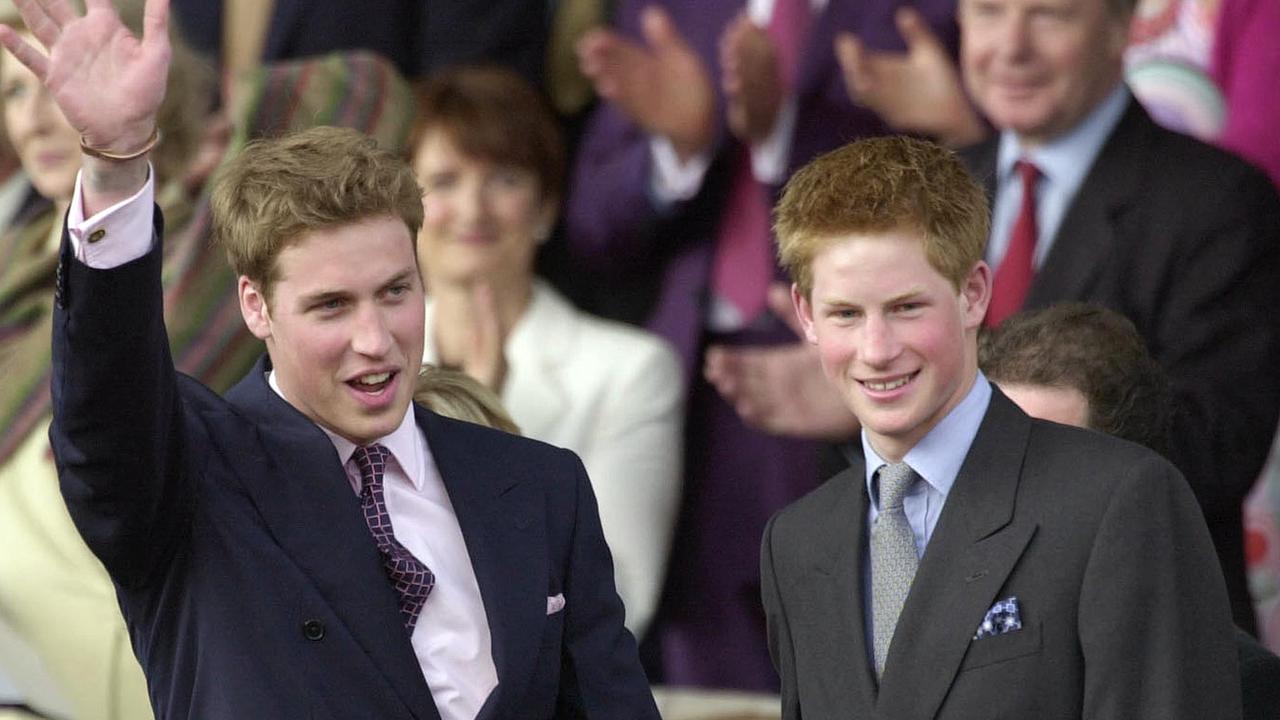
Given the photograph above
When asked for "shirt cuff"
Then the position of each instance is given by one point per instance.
(769, 159)
(671, 180)
(120, 234)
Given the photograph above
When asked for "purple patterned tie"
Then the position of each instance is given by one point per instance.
(411, 579)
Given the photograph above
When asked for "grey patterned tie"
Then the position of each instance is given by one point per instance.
(893, 557)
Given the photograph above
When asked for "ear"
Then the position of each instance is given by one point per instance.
(804, 311)
(253, 308)
(1118, 29)
(975, 295)
(546, 219)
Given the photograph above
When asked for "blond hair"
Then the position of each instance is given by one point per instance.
(275, 191)
(457, 395)
(878, 185)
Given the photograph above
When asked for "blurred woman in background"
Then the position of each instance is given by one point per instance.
(489, 156)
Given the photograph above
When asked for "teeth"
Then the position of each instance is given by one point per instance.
(374, 379)
(882, 386)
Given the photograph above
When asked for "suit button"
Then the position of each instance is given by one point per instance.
(313, 630)
(97, 235)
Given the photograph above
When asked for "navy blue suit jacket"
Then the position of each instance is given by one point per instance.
(247, 576)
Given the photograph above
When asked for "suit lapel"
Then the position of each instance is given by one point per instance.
(539, 346)
(502, 520)
(973, 549)
(1089, 235)
(293, 477)
(836, 595)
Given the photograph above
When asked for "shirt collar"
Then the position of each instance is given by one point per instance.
(939, 454)
(1064, 160)
(402, 442)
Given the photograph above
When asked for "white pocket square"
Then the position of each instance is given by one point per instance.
(555, 603)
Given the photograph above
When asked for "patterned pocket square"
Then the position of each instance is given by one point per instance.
(555, 603)
(1003, 617)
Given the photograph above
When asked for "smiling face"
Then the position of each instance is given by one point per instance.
(482, 220)
(46, 144)
(344, 326)
(895, 337)
(1038, 67)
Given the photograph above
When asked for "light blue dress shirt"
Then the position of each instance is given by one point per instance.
(1063, 163)
(936, 459)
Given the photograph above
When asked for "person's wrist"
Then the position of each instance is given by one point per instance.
(124, 142)
(132, 149)
(107, 182)
(690, 145)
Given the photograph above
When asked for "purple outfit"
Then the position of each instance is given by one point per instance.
(711, 624)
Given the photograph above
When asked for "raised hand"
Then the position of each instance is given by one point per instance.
(468, 333)
(486, 359)
(751, 80)
(780, 389)
(916, 91)
(108, 83)
(662, 85)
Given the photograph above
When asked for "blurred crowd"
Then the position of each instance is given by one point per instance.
(597, 251)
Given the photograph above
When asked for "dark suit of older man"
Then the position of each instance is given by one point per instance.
(1184, 240)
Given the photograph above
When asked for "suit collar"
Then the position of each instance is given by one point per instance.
(840, 542)
(293, 476)
(1090, 232)
(540, 348)
(502, 518)
(973, 550)
(498, 510)
(939, 455)
(541, 344)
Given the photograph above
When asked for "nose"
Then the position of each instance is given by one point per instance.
(880, 345)
(1013, 37)
(370, 335)
(473, 203)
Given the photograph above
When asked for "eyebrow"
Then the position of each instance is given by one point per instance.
(403, 275)
(322, 296)
(912, 294)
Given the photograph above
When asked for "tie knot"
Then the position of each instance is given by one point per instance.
(1028, 171)
(895, 480)
(372, 461)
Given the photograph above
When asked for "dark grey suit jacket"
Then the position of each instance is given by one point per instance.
(1184, 240)
(1123, 609)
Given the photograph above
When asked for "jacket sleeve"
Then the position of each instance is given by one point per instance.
(614, 223)
(601, 677)
(116, 431)
(634, 457)
(778, 627)
(1154, 623)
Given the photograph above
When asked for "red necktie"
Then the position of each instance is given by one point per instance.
(743, 262)
(411, 579)
(1013, 277)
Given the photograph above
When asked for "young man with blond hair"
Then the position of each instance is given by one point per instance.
(313, 544)
(972, 562)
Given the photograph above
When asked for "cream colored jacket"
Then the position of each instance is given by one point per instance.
(613, 394)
